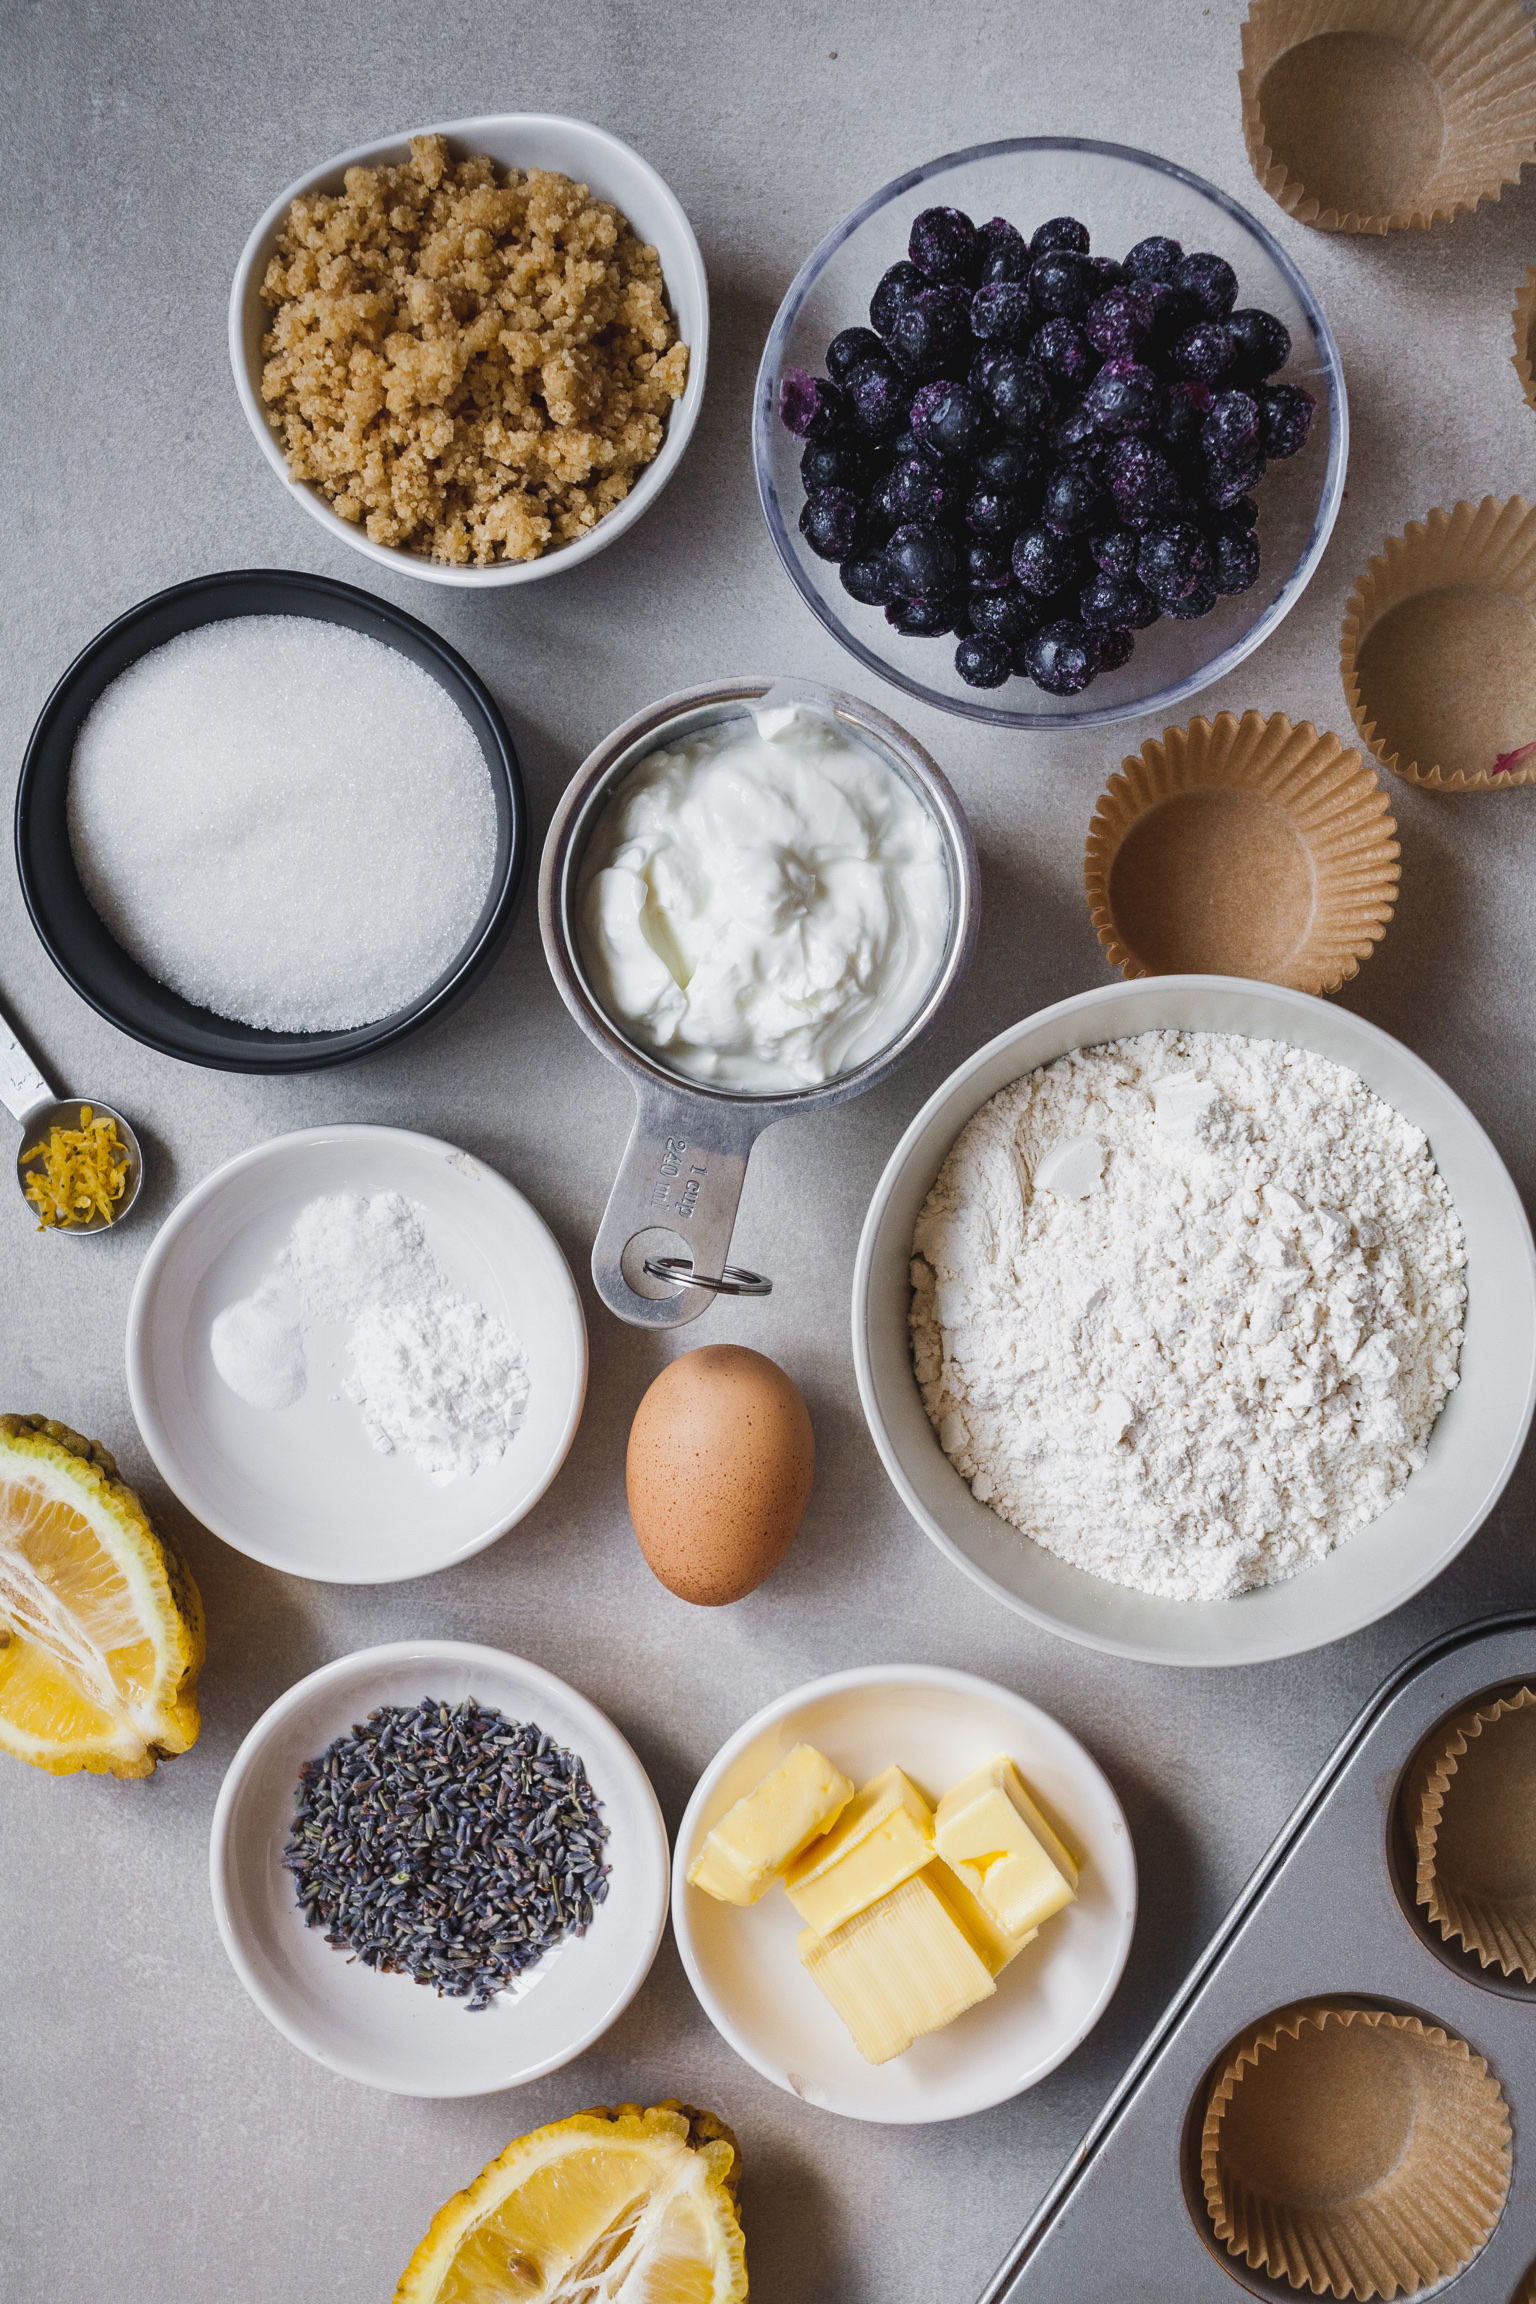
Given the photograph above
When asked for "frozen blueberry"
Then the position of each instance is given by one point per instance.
(1243, 514)
(986, 565)
(1119, 323)
(1107, 273)
(920, 561)
(1285, 417)
(1173, 562)
(1114, 551)
(949, 419)
(1194, 604)
(920, 491)
(1010, 614)
(927, 619)
(1060, 232)
(1185, 408)
(1004, 251)
(983, 663)
(1060, 658)
(1210, 280)
(1203, 351)
(895, 290)
(1074, 437)
(1021, 398)
(1113, 649)
(883, 504)
(995, 511)
(1234, 557)
(1061, 285)
(1231, 475)
(1260, 342)
(943, 245)
(1001, 313)
(829, 522)
(1123, 397)
(982, 370)
(1007, 464)
(1045, 561)
(878, 396)
(1072, 501)
(833, 464)
(1232, 427)
(905, 443)
(931, 336)
(811, 407)
(1153, 259)
(1143, 483)
(1117, 603)
(864, 577)
(848, 348)
(1063, 353)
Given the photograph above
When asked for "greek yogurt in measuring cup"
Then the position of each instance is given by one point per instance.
(764, 905)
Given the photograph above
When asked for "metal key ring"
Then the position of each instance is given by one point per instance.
(735, 1280)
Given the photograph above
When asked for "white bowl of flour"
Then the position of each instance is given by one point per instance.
(1186, 1373)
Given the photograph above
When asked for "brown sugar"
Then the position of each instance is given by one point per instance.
(474, 370)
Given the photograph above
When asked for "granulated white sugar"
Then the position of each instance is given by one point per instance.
(284, 821)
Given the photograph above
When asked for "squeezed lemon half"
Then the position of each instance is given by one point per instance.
(101, 1628)
(621, 2207)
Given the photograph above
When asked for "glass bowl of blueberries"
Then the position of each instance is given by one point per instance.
(1050, 432)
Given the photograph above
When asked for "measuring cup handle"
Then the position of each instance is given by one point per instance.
(676, 1193)
(22, 1086)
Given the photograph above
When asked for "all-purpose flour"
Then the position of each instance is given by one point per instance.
(1186, 1307)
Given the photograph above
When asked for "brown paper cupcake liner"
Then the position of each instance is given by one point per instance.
(1242, 848)
(1438, 649)
(1369, 115)
(1525, 324)
(1476, 1834)
(1526, 2292)
(1354, 2152)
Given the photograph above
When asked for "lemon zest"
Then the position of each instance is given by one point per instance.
(85, 1170)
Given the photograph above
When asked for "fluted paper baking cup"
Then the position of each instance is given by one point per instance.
(1354, 2152)
(1525, 324)
(1368, 115)
(1242, 848)
(1476, 1833)
(1438, 649)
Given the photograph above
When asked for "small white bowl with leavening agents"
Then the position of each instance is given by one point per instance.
(1472, 1449)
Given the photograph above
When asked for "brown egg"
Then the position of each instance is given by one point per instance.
(721, 1460)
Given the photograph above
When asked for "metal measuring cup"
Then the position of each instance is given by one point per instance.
(27, 1096)
(661, 1253)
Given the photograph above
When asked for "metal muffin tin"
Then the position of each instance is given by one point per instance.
(1327, 1916)
(674, 1201)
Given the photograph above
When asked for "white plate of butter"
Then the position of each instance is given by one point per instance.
(903, 1894)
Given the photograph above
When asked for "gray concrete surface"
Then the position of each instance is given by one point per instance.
(158, 2140)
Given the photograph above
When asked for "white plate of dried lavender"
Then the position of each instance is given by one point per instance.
(437, 1869)
(357, 1354)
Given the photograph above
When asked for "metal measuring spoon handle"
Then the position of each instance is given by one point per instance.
(22, 1087)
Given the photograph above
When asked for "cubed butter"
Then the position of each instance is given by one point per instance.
(989, 1831)
(992, 1944)
(766, 1830)
(875, 1863)
(901, 1968)
(880, 1800)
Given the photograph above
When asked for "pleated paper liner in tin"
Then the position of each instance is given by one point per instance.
(1438, 649)
(1242, 848)
(1476, 1833)
(1525, 329)
(1369, 115)
(1355, 2152)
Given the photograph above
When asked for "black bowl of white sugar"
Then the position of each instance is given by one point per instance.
(268, 823)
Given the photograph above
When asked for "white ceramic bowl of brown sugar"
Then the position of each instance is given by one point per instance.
(523, 141)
